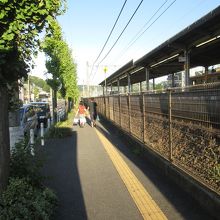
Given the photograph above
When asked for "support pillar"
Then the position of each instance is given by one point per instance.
(103, 90)
(172, 80)
(129, 83)
(206, 74)
(147, 73)
(106, 89)
(153, 83)
(186, 67)
(140, 87)
(118, 83)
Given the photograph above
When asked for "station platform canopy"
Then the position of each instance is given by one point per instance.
(201, 40)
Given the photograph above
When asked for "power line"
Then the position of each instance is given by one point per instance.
(118, 37)
(155, 20)
(111, 31)
(121, 33)
(108, 36)
(136, 37)
(128, 45)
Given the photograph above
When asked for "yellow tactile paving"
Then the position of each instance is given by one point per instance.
(146, 205)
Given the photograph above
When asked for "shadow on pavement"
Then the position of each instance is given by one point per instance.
(63, 177)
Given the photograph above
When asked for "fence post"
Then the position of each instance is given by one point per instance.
(42, 133)
(108, 107)
(170, 125)
(48, 123)
(32, 141)
(113, 109)
(129, 111)
(105, 107)
(119, 100)
(143, 117)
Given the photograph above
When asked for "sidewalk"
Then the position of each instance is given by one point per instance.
(83, 177)
(88, 185)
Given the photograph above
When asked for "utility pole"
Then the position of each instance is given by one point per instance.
(88, 78)
(105, 70)
(83, 93)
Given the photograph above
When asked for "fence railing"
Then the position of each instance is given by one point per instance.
(182, 125)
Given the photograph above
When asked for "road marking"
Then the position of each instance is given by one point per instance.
(146, 205)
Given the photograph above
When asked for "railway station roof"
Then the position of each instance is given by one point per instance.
(201, 39)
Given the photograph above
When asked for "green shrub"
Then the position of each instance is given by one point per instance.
(62, 129)
(59, 132)
(23, 201)
(24, 165)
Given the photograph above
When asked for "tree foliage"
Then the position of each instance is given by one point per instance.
(39, 83)
(60, 63)
(20, 24)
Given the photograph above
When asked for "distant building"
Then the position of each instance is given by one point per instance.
(43, 96)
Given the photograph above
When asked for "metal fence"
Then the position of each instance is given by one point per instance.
(182, 125)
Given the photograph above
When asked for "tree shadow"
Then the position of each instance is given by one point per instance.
(63, 177)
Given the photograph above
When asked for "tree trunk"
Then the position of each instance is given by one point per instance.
(69, 105)
(4, 139)
(54, 106)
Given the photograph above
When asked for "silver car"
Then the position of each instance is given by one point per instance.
(28, 119)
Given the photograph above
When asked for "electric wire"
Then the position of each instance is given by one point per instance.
(181, 18)
(140, 34)
(111, 31)
(122, 32)
(199, 4)
(118, 36)
(148, 21)
(122, 8)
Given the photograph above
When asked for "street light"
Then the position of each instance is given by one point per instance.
(105, 70)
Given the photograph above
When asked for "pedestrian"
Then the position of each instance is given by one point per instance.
(92, 106)
(82, 113)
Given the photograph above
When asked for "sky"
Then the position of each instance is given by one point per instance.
(87, 24)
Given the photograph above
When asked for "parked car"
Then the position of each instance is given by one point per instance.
(43, 112)
(28, 119)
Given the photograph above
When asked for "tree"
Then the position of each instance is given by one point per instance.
(36, 92)
(60, 64)
(39, 82)
(20, 25)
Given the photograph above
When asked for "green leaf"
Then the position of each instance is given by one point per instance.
(8, 37)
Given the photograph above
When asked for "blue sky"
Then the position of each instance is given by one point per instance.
(87, 24)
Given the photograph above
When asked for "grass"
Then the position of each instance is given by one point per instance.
(62, 129)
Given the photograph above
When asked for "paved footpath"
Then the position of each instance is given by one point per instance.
(95, 181)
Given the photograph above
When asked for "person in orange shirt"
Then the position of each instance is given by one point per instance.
(82, 113)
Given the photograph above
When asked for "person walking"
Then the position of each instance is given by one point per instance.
(82, 113)
(92, 111)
